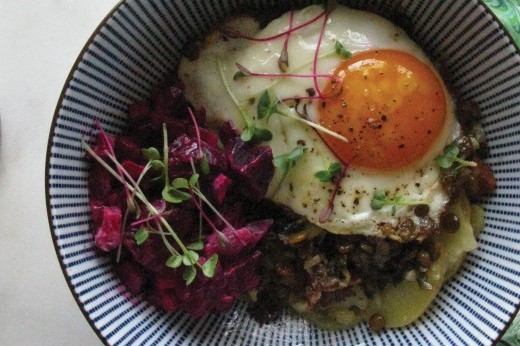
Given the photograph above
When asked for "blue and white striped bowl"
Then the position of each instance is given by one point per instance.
(140, 42)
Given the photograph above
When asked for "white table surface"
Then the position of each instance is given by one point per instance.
(39, 42)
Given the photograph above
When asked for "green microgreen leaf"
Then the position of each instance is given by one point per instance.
(180, 183)
(209, 267)
(151, 154)
(198, 245)
(190, 258)
(447, 159)
(450, 157)
(194, 179)
(175, 196)
(238, 75)
(286, 161)
(330, 173)
(204, 165)
(380, 200)
(340, 50)
(189, 275)
(174, 261)
(255, 135)
(157, 164)
(140, 236)
(266, 107)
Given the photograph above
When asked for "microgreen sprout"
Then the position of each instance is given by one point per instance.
(188, 255)
(245, 72)
(267, 107)
(317, 52)
(450, 157)
(204, 166)
(141, 235)
(235, 34)
(329, 174)
(251, 133)
(340, 50)
(287, 161)
(380, 200)
(283, 60)
(326, 213)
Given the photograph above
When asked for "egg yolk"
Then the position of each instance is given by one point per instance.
(391, 108)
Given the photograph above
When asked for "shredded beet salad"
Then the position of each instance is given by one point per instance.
(190, 244)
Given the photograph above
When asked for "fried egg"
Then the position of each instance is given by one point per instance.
(391, 105)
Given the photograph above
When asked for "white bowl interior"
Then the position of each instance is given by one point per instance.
(141, 43)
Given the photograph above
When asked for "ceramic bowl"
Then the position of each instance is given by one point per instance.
(140, 42)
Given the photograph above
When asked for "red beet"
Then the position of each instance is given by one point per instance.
(241, 241)
(220, 187)
(127, 148)
(107, 234)
(99, 182)
(253, 166)
(239, 176)
(132, 275)
(133, 169)
(139, 112)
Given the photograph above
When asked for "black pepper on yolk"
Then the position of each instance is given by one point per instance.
(392, 108)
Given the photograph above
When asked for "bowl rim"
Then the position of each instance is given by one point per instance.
(79, 59)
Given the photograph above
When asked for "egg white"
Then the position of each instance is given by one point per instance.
(301, 190)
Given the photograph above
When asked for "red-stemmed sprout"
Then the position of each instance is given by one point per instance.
(235, 34)
(203, 161)
(316, 53)
(326, 213)
(245, 72)
(283, 60)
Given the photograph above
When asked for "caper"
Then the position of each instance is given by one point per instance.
(450, 222)
(376, 322)
(466, 146)
(424, 259)
(344, 248)
(421, 210)
(426, 225)
(406, 230)
(366, 247)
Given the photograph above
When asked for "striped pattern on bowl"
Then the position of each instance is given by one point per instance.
(140, 43)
